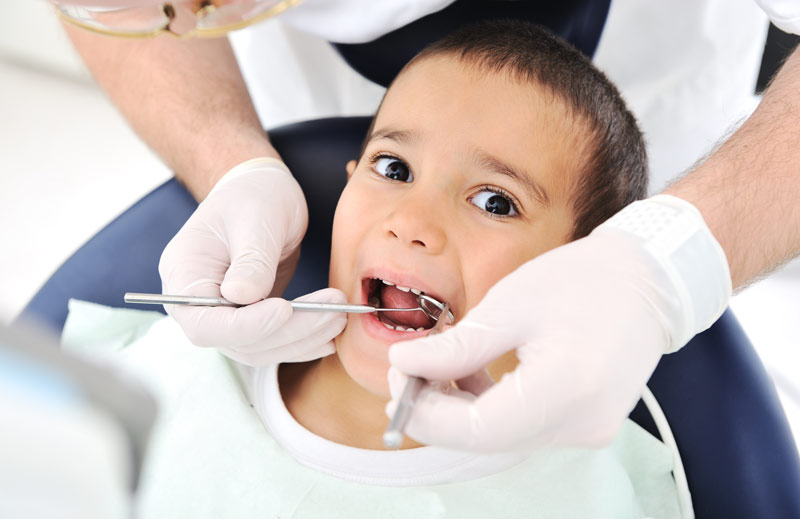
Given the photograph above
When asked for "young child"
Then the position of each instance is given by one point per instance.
(492, 146)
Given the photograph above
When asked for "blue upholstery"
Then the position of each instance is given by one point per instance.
(739, 454)
(122, 257)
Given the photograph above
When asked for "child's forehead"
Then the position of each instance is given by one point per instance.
(443, 87)
(452, 76)
(475, 67)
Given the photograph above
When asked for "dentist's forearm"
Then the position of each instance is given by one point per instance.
(748, 190)
(186, 99)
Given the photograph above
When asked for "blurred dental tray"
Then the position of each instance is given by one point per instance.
(72, 435)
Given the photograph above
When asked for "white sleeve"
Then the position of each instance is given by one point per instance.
(785, 14)
(357, 21)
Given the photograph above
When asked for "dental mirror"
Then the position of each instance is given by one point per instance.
(433, 308)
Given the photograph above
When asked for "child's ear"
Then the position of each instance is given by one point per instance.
(350, 167)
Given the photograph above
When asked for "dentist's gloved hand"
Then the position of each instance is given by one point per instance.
(243, 243)
(589, 322)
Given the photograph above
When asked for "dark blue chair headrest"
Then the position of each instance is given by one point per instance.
(739, 453)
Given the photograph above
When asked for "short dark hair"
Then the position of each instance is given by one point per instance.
(613, 171)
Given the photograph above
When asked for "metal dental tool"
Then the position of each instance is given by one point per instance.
(393, 437)
(428, 305)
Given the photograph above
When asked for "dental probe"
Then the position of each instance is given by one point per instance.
(301, 306)
(393, 437)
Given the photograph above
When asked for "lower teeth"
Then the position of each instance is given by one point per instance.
(401, 329)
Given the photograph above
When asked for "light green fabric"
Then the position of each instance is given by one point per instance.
(98, 329)
(210, 456)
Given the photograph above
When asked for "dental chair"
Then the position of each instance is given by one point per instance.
(737, 449)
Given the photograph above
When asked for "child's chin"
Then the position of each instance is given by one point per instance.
(372, 378)
(380, 390)
(370, 374)
(365, 360)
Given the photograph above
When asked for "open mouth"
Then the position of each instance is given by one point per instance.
(385, 294)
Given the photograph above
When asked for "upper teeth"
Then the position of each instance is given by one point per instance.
(414, 291)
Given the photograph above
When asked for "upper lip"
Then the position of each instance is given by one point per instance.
(409, 280)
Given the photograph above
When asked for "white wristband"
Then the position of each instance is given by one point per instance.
(673, 231)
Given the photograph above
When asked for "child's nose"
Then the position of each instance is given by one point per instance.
(418, 222)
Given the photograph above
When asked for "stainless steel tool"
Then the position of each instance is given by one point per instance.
(393, 437)
(430, 306)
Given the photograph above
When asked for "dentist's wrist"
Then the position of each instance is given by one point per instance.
(207, 167)
(693, 272)
(262, 165)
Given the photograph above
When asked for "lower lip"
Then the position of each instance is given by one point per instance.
(377, 330)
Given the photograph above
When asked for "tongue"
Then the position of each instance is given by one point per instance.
(391, 297)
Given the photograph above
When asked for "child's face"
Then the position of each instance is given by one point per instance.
(480, 184)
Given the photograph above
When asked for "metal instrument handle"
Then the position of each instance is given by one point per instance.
(393, 437)
(301, 306)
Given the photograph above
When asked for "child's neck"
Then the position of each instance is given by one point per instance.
(323, 398)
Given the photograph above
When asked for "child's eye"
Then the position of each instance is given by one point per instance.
(393, 168)
(494, 202)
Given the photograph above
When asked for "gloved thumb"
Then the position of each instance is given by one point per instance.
(263, 220)
(457, 353)
(253, 267)
(476, 383)
(247, 282)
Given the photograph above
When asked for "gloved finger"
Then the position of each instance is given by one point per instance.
(456, 353)
(317, 353)
(284, 273)
(325, 295)
(254, 264)
(277, 355)
(291, 351)
(301, 328)
(484, 424)
(264, 216)
(232, 327)
(246, 359)
(531, 406)
(473, 384)
(476, 383)
(194, 254)
(432, 390)
(397, 382)
(305, 330)
(256, 358)
(185, 315)
(506, 416)
(304, 336)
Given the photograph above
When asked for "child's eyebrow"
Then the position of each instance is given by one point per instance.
(495, 165)
(401, 136)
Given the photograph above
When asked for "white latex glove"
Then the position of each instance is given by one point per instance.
(243, 243)
(589, 322)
